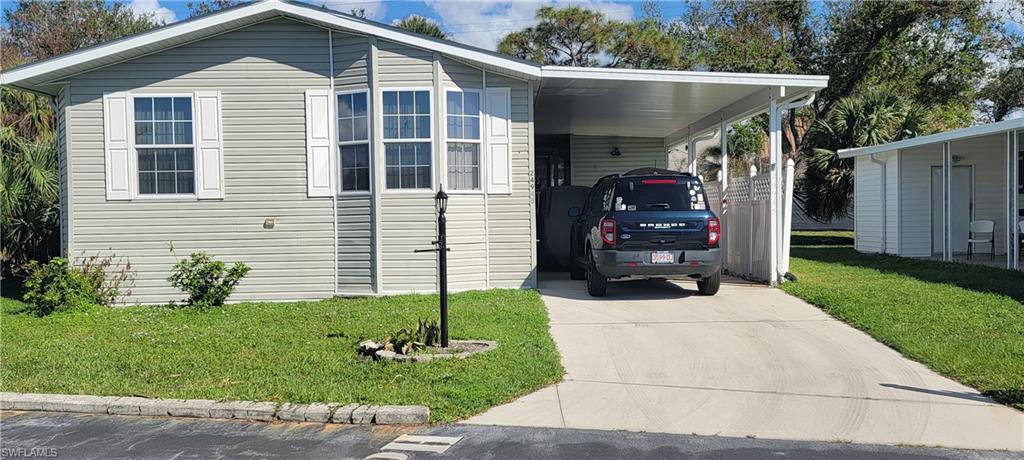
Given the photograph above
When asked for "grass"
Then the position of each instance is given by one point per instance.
(966, 322)
(294, 352)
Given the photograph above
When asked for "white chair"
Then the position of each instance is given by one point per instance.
(982, 231)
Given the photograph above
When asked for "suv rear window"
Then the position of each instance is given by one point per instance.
(659, 194)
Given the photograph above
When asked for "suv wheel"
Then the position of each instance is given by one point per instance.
(597, 284)
(709, 285)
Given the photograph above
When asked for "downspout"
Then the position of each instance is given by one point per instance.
(885, 234)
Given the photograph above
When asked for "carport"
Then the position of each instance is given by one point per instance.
(590, 122)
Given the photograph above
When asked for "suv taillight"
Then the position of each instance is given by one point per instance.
(714, 231)
(608, 231)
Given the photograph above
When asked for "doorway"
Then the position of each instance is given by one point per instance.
(962, 207)
(551, 161)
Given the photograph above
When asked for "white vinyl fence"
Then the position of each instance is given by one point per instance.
(745, 213)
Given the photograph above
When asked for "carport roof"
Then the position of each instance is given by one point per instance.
(948, 136)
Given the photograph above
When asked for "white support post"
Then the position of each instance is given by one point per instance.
(787, 215)
(691, 156)
(750, 214)
(775, 175)
(947, 194)
(1011, 208)
(1015, 203)
(724, 138)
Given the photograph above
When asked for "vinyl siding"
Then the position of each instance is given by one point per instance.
(510, 216)
(590, 156)
(867, 205)
(988, 157)
(354, 212)
(62, 169)
(407, 218)
(916, 199)
(262, 72)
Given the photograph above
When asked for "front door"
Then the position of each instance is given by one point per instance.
(962, 208)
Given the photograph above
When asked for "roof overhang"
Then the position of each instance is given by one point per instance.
(948, 136)
(674, 105)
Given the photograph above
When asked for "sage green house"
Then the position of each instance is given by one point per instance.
(309, 144)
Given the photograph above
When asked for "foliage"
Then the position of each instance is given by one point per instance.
(1006, 89)
(879, 116)
(965, 322)
(747, 141)
(204, 7)
(406, 341)
(110, 277)
(208, 282)
(418, 24)
(576, 36)
(296, 352)
(59, 286)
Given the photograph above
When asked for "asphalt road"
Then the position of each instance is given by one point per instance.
(57, 435)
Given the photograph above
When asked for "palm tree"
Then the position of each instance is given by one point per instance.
(747, 142)
(878, 116)
(421, 25)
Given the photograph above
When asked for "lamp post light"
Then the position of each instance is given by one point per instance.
(441, 247)
(441, 204)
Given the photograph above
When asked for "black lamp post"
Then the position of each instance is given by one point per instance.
(441, 204)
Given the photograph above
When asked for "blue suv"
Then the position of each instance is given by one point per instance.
(648, 223)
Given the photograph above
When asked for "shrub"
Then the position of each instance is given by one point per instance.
(58, 286)
(207, 282)
(405, 341)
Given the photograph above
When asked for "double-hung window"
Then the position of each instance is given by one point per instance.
(164, 145)
(354, 141)
(407, 138)
(463, 138)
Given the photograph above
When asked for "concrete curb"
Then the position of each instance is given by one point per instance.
(263, 411)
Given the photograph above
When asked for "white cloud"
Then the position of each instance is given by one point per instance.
(484, 23)
(154, 9)
(373, 9)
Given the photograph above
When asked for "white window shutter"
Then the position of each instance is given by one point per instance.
(499, 140)
(318, 143)
(117, 145)
(209, 166)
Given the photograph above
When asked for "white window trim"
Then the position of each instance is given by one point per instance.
(445, 139)
(133, 156)
(434, 155)
(368, 141)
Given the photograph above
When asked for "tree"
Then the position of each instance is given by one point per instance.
(421, 25)
(571, 36)
(1005, 92)
(878, 116)
(33, 30)
(204, 7)
(643, 44)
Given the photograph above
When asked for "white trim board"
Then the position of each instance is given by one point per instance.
(948, 136)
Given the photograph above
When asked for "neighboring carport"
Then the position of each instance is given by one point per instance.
(622, 119)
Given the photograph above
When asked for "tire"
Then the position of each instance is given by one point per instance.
(597, 284)
(710, 285)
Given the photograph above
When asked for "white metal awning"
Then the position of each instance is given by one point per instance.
(948, 136)
(651, 103)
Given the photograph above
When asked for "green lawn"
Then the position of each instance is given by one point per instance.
(297, 352)
(966, 322)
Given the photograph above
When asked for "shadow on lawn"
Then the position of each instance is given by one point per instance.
(973, 277)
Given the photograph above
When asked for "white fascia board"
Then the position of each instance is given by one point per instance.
(948, 136)
(678, 76)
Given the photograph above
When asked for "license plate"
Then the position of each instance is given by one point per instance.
(662, 258)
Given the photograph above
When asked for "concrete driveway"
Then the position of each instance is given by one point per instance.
(751, 361)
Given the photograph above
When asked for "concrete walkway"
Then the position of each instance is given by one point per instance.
(751, 361)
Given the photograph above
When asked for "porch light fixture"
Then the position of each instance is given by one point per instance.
(616, 152)
(440, 202)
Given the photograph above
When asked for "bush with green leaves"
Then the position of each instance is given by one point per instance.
(208, 282)
(57, 285)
